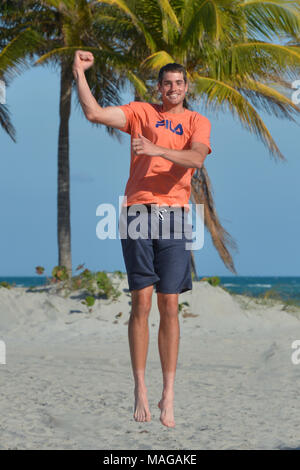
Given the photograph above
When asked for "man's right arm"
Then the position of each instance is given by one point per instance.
(111, 116)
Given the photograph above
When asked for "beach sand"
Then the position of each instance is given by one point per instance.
(67, 382)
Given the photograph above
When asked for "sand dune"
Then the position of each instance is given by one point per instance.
(67, 382)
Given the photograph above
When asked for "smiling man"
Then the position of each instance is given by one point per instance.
(168, 143)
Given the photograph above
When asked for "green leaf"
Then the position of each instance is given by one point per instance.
(90, 300)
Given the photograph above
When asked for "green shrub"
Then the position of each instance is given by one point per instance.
(105, 285)
(60, 273)
(39, 269)
(182, 304)
(213, 280)
(5, 284)
(94, 284)
(89, 301)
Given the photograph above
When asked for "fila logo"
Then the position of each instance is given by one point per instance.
(168, 125)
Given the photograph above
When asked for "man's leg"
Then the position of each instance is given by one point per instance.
(168, 344)
(138, 335)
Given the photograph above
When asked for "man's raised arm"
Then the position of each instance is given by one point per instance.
(111, 116)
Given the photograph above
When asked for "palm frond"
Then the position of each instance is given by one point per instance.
(220, 95)
(5, 122)
(118, 60)
(203, 19)
(125, 6)
(201, 193)
(166, 7)
(157, 60)
(63, 6)
(169, 22)
(255, 56)
(13, 55)
(138, 84)
(269, 99)
(270, 17)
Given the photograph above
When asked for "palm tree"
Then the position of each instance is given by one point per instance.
(5, 121)
(12, 49)
(54, 29)
(228, 50)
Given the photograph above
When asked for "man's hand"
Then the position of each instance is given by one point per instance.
(189, 158)
(83, 60)
(143, 146)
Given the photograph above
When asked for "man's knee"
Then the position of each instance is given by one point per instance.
(141, 301)
(167, 305)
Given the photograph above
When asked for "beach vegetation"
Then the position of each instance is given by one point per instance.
(5, 284)
(213, 280)
(183, 309)
(268, 299)
(89, 301)
(60, 273)
(182, 305)
(275, 297)
(39, 270)
(97, 284)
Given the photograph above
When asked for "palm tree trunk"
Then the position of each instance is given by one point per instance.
(63, 183)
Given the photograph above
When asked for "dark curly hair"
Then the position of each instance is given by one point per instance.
(172, 67)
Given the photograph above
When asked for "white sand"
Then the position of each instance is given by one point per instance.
(67, 382)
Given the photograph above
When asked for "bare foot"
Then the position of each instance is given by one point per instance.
(167, 413)
(141, 406)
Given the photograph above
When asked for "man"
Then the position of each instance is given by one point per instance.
(168, 143)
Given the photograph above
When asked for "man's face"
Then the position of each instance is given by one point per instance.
(173, 88)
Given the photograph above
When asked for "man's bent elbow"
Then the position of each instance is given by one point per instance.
(200, 161)
(90, 117)
(198, 166)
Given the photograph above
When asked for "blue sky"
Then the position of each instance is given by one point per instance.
(257, 198)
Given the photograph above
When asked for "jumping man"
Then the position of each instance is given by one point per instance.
(168, 144)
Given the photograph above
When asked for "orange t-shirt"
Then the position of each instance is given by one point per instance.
(156, 180)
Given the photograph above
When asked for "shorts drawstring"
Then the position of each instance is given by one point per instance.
(158, 212)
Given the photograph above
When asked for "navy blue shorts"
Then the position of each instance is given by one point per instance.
(155, 250)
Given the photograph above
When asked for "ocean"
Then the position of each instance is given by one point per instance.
(288, 287)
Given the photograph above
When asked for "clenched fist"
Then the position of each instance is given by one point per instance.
(83, 60)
